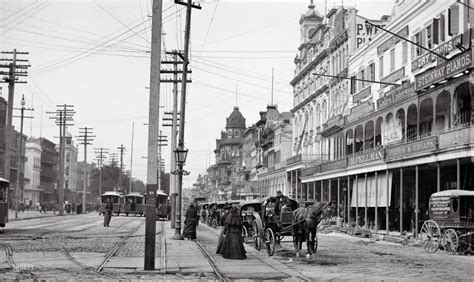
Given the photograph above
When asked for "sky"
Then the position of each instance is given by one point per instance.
(95, 55)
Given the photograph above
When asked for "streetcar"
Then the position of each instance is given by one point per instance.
(3, 201)
(134, 203)
(117, 200)
(162, 206)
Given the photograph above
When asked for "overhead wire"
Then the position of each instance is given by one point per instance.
(23, 14)
(14, 12)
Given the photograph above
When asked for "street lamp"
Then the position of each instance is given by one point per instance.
(180, 154)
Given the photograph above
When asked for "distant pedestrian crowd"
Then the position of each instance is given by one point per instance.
(69, 207)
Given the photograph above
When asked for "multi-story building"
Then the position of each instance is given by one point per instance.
(227, 152)
(32, 188)
(70, 169)
(48, 174)
(321, 90)
(408, 131)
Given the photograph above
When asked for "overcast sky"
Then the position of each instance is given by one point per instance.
(93, 55)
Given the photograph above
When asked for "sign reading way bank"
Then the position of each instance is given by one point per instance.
(446, 70)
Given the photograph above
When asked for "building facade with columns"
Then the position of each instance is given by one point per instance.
(32, 189)
(408, 132)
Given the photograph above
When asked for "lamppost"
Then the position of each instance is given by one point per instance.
(180, 154)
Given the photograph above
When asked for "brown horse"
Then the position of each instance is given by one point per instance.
(305, 222)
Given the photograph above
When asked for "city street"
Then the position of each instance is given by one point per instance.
(79, 247)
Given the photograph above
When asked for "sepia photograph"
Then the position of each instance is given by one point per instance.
(236, 140)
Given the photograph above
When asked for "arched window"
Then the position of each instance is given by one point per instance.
(325, 114)
(310, 121)
(400, 119)
(442, 121)
(369, 135)
(378, 132)
(349, 142)
(462, 104)
(426, 117)
(318, 115)
(359, 139)
(412, 114)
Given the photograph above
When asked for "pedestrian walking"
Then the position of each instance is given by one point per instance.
(190, 222)
(108, 212)
(231, 246)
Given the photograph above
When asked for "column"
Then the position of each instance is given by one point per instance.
(322, 190)
(357, 199)
(416, 201)
(307, 191)
(291, 184)
(438, 177)
(314, 191)
(387, 204)
(401, 201)
(458, 174)
(338, 196)
(365, 210)
(376, 203)
(329, 187)
(296, 185)
(348, 200)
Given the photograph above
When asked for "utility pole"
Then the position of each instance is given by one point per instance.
(131, 158)
(189, 5)
(153, 131)
(161, 139)
(113, 157)
(119, 184)
(15, 70)
(20, 181)
(100, 160)
(85, 139)
(174, 130)
(63, 117)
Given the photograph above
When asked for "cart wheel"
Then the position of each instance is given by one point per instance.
(430, 236)
(451, 241)
(245, 234)
(270, 242)
(257, 242)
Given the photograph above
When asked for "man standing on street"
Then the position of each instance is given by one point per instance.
(108, 212)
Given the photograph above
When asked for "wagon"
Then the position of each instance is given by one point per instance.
(116, 198)
(451, 223)
(265, 225)
(134, 204)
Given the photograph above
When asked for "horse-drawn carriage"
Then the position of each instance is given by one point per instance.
(451, 223)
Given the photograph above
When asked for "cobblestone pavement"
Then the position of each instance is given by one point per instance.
(340, 256)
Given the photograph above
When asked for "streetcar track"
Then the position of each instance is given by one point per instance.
(12, 264)
(211, 261)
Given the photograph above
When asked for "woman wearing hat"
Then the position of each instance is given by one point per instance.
(231, 245)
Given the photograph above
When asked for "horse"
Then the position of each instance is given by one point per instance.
(305, 223)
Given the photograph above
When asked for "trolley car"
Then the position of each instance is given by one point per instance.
(134, 204)
(162, 206)
(451, 223)
(3, 201)
(117, 200)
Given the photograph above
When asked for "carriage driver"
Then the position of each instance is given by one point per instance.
(283, 203)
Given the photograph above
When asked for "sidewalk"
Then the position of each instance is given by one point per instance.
(27, 215)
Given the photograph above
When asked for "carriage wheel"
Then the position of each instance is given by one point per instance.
(270, 241)
(245, 234)
(257, 242)
(451, 241)
(430, 236)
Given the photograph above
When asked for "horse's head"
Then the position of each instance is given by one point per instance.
(319, 209)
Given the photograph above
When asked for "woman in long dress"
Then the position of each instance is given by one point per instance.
(232, 246)
(190, 222)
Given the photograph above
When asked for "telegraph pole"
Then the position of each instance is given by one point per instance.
(189, 5)
(12, 77)
(85, 139)
(153, 131)
(131, 158)
(62, 116)
(121, 148)
(100, 159)
(19, 182)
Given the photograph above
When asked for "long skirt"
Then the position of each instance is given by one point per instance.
(107, 217)
(189, 230)
(220, 242)
(233, 245)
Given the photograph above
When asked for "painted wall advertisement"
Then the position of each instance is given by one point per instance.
(381, 192)
(392, 132)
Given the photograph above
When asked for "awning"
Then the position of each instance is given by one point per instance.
(359, 196)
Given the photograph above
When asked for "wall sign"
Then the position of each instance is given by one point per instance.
(407, 150)
(366, 157)
(339, 164)
(442, 50)
(393, 77)
(446, 70)
(362, 94)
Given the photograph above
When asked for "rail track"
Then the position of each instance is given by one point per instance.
(25, 272)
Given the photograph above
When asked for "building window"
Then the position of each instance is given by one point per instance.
(381, 67)
(362, 76)
(392, 60)
(68, 157)
(429, 37)
(67, 171)
(353, 84)
(404, 52)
